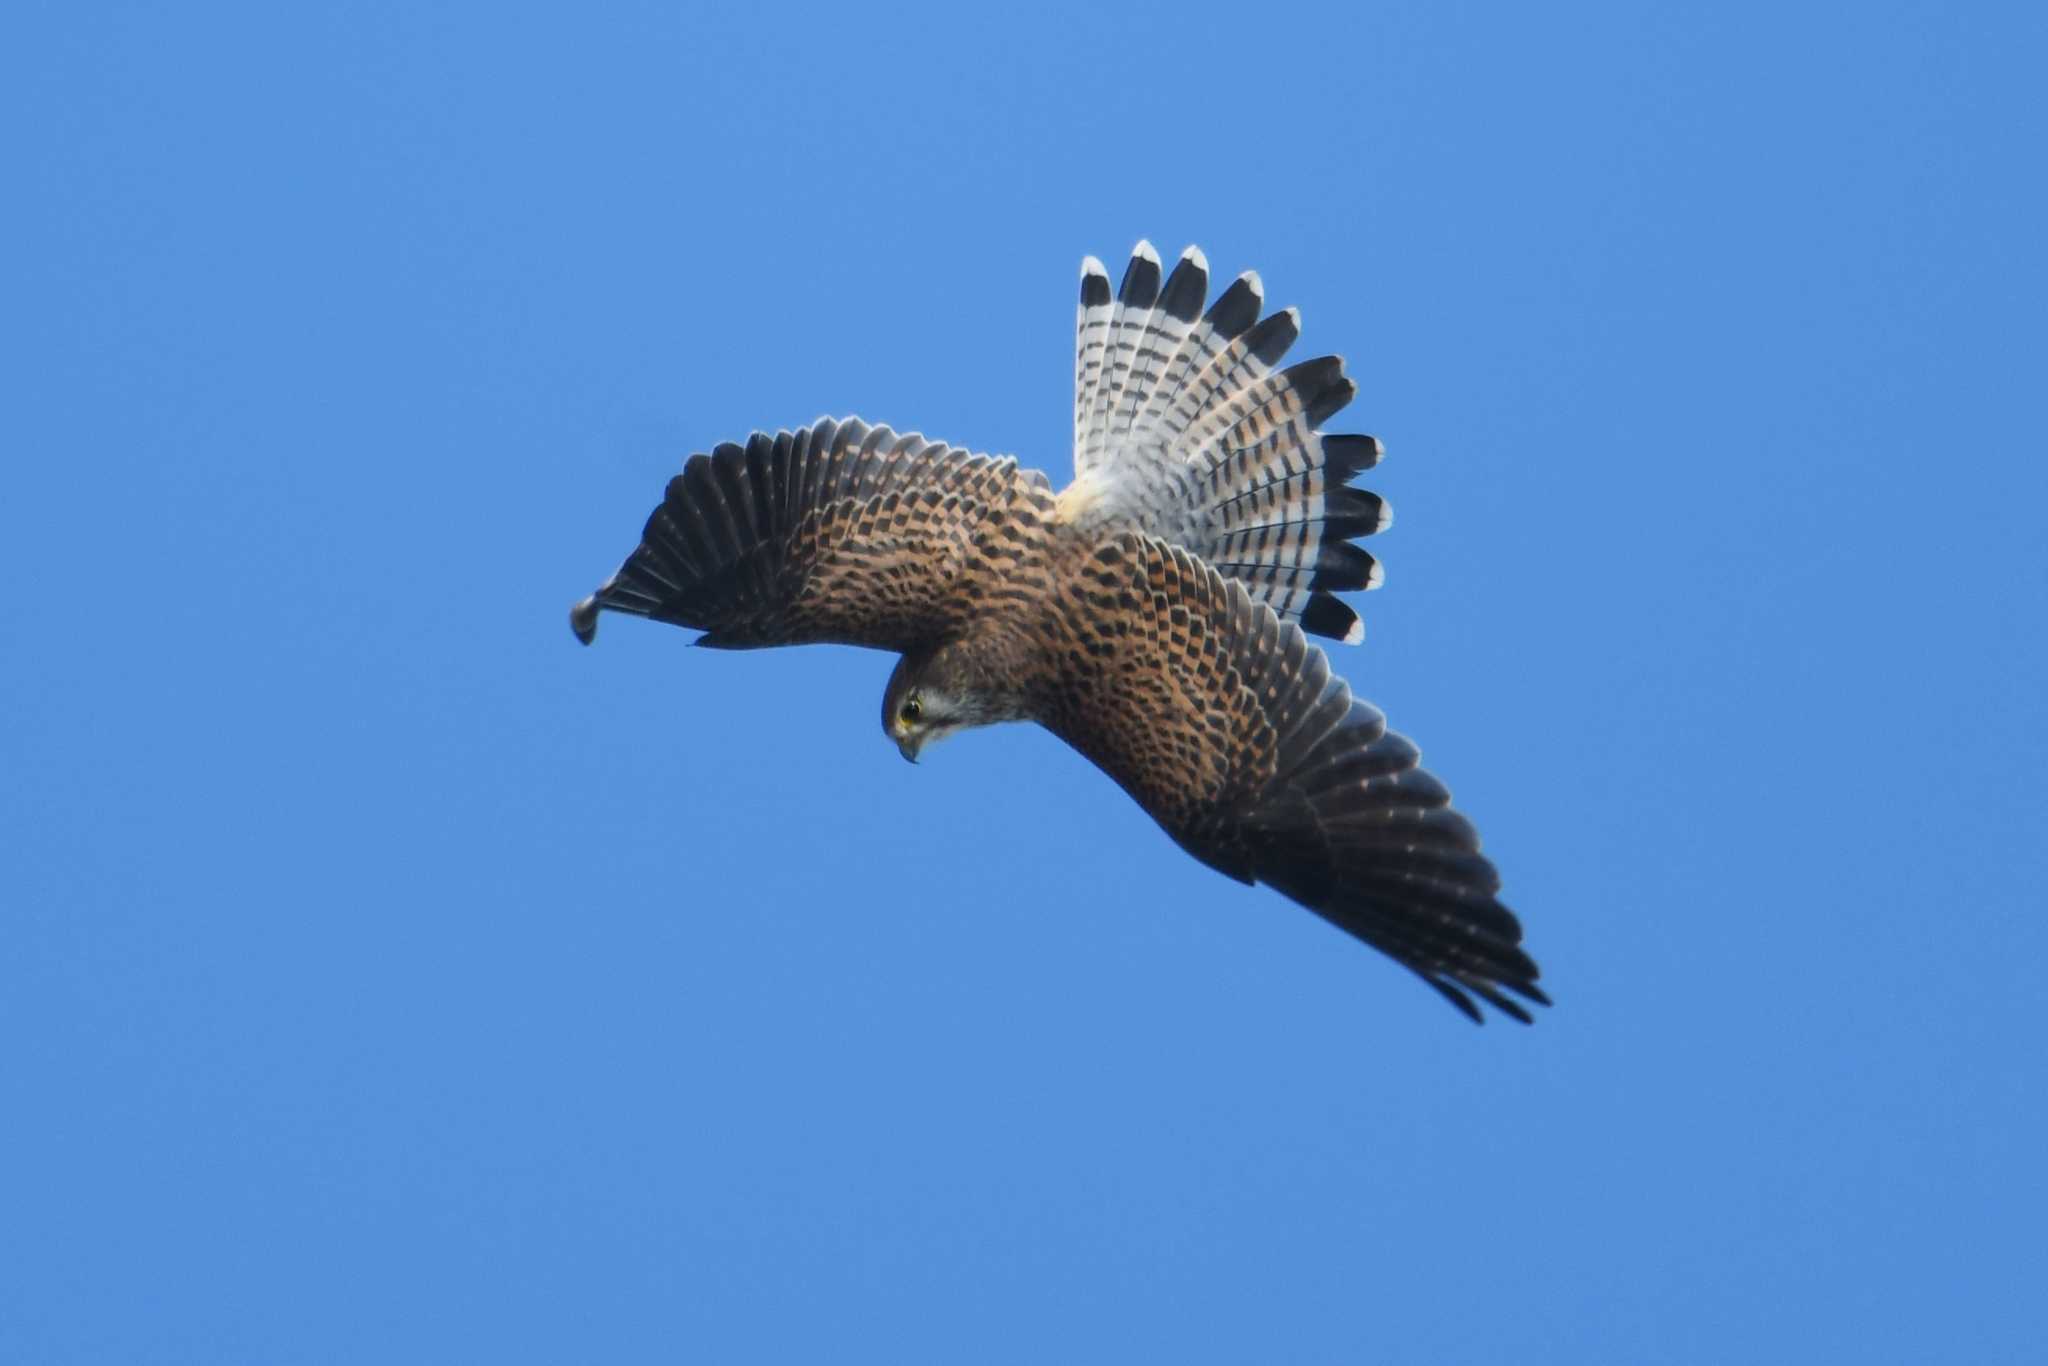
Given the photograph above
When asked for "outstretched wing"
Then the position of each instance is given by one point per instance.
(1229, 728)
(1186, 428)
(839, 533)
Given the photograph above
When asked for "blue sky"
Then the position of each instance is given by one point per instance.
(388, 979)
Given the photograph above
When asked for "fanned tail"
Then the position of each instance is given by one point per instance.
(1276, 511)
(1185, 428)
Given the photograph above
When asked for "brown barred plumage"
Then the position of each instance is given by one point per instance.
(1152, 615)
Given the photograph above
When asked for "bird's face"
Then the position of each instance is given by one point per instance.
(936, 693)
(919, 716)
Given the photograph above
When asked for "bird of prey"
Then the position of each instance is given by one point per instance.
(1155, 614)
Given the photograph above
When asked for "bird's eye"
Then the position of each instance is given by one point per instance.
(912, 709)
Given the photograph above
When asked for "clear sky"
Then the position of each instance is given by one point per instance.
(383, 978)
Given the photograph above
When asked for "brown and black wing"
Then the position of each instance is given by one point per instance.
(1229, 728)
(841, 533)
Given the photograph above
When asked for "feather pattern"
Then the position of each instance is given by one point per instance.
(1152, 615)
(840, 532)
(1226, 725)
(1186, 428)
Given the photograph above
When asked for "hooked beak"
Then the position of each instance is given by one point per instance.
(908, 746)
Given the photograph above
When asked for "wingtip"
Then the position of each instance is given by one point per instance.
(1193, 256)
(1091, 266)
(1355, 634)
(583, 619)
(1145, 251)
(1254, 283)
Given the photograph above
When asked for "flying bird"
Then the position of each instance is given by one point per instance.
(1154, 614)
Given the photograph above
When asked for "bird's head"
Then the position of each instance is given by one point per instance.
(929, 697)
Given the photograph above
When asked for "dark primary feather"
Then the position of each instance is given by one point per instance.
(1229, 728)
(840, 532)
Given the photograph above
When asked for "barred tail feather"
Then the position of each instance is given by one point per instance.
(1130, 347)
(1193, 432)
(1276, 512)
(1091, 346)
